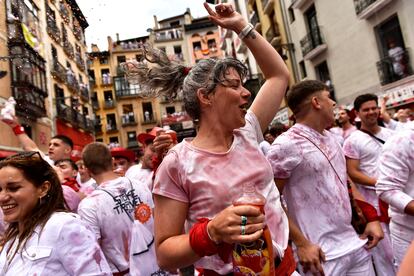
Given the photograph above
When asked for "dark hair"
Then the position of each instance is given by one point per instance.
(277, 129)
(170, 78)
(364, 98)
(97, 158)
(65, 139)
(36, 171)
(301, 92)
(70, 161)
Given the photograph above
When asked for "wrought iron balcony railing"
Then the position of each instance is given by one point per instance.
(128, 119)
(312, 40)
(58, 71)
(394, 67)
(109, 104)
(84, 92)
(53, 30)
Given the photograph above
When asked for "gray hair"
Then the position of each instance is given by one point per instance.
(168, 78)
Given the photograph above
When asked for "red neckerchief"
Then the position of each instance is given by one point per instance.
(71, 182)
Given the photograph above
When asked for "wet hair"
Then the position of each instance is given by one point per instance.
(97, 158)
(363, 99)
(37, 171)
(65, 139)
(169, 78)
(277, 129)
(301, 92)
(70, 161)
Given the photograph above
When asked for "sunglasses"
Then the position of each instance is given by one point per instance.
(25, 155)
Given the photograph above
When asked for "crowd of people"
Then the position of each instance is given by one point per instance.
(338, 199)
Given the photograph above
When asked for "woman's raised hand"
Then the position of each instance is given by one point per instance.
(225, 16)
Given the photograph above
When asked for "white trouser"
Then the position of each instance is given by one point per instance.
(382, 255)
(401, 239)
(356, 263)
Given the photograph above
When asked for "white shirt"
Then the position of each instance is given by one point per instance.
(397, 125)
(109, 210)
(137, 173)
(65, 246)
(361, 146)
(316, 199)
(395, 183)
(264, 146)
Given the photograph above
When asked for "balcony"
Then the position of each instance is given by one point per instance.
(90, 125)
(110, 128)
(120, 71)
(77, 30)
(123, 89)
(149, 119)
(395, 67)
(64, 12)
(168, 34)
(366, 8)
(30, 101)
(68, 49)
(79, 119)
(72, 82)
(53, 30)
(109, 104)
(84, 92)
(80, 62)
(58, 71)
(95, 104)
(106, 80)
(128, 119)
(313, 44)
(132, 144)
(268, 6)
(64, 112)
(299, 4)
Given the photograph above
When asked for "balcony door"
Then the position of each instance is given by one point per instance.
(312, 25)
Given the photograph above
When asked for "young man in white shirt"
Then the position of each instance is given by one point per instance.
(309, 168)
(395, 186)
(114, 208)
(362, 150)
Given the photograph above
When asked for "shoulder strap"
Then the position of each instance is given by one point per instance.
(373, 136)
(324, 154)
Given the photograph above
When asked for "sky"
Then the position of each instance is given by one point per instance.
(130, 18)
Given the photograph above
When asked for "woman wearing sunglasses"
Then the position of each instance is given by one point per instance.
(42, 237)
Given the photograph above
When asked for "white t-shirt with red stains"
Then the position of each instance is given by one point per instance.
(111, 217)
(141, 175)
(65, 246)
(395, 182)
(361, 146)
(316, 199)
(209, 182)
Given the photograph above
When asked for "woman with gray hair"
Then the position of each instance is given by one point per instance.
(199, 178)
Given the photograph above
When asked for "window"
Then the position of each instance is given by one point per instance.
(175, 23)
(177, 49)
(60, 96)
(99, 140)
(147, 110)
(110, 122)
(170, 109)
(161, 49)
(291, 13)
(211, 43)
(54, 53)
(196, 45)
(103, 60)
(114, 140)
(302, 67)
(322, 74)
(106, 76)
(108, 95)
(91, 74)
(120, 59)
(132, 136)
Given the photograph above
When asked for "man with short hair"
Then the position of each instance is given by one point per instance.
(123, 159)
(309, 168)
(345, 126)
(395, 186)
(362, 150)
(86, 182)
(60, 146)
(114, 208)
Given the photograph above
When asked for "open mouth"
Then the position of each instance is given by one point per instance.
(244, 107)
(7, 208)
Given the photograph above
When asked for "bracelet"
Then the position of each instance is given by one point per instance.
(246, 31)
(18, 130)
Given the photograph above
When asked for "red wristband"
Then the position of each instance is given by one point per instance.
(200, 242)
(18, 130)
(368, 210)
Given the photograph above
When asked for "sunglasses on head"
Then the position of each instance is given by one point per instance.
(25, 155)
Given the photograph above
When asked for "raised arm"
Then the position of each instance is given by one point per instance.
(25, 141)
(270, 96)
